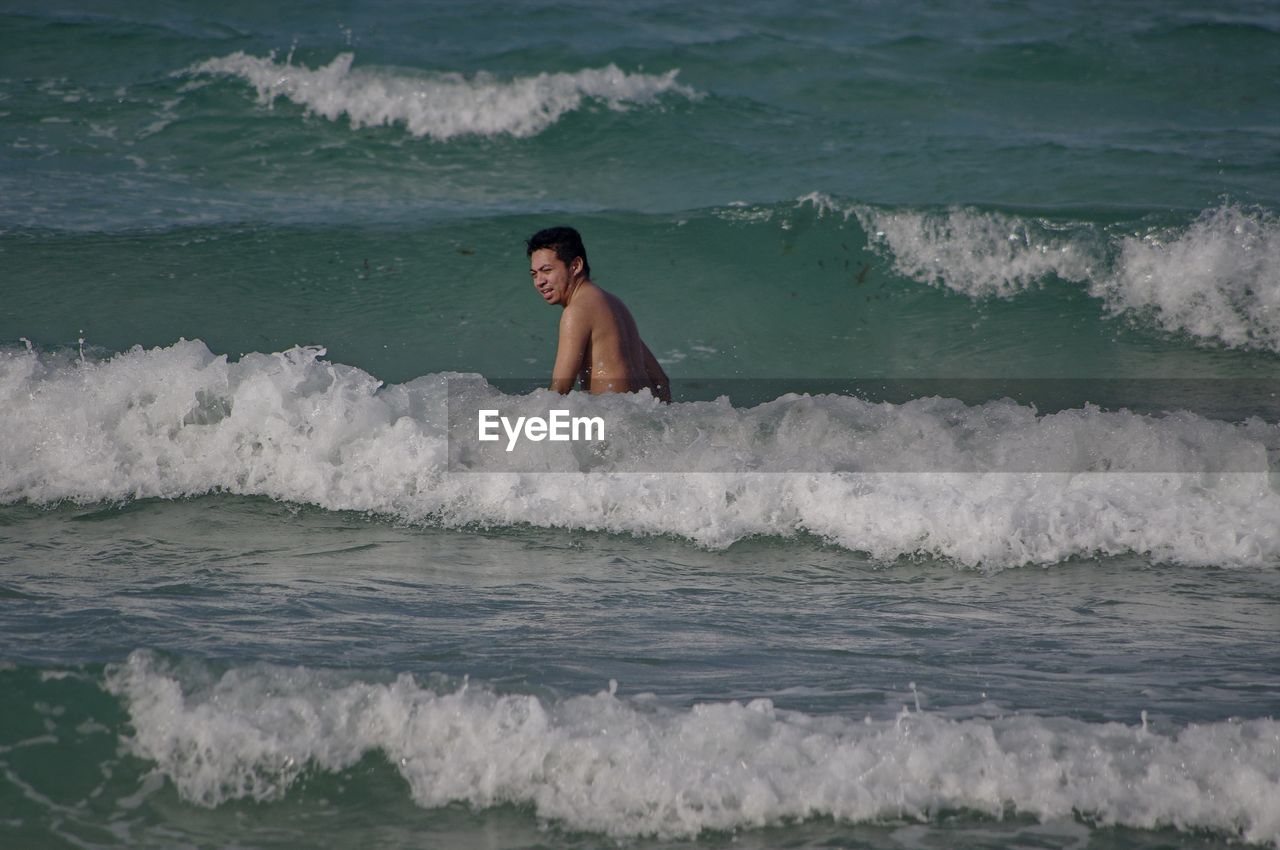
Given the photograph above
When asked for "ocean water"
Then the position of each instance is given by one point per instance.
(963, 530)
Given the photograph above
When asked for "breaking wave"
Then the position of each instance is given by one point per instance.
(180, 421)
(441, 106)
(632, 767)
(1216, 279)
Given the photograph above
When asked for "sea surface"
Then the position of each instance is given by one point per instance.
(963, 530)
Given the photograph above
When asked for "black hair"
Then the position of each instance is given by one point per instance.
(565, 241)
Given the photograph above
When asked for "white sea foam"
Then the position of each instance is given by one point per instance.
(1216, 279)
(978, 254)
(634, 767)
(442, 106)
(179, 421)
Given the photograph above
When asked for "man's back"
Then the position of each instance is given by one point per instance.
(614, 357)
(599, 345)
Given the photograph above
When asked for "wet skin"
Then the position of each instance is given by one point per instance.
(600, 345)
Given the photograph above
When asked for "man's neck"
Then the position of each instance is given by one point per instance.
(576, 284)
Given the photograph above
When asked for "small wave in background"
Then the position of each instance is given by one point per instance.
(443, 106)
(1216, 279)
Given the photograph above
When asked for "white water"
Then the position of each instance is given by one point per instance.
(631, 767)
(179, 421)
(441, 106)
(1216, 280)
(974, 253)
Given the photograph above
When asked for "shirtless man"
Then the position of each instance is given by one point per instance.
(599, 342)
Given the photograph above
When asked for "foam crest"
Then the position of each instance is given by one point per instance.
(979, 254)
(633, 767)
(441, 106)
(1218, 279)
(180, 421)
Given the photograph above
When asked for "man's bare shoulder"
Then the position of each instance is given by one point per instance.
(590, 304)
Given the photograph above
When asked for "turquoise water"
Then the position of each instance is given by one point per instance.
(963, 530)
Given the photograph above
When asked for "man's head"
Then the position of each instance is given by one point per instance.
(556, 260)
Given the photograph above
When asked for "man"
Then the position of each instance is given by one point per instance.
(599, 342)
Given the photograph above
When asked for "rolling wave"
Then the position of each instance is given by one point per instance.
(441, 106)
(1216, 279)
(180, 421)
(630, 767)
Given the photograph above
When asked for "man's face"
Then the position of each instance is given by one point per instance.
(551, 277)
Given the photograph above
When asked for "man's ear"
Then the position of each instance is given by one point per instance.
(575, 265)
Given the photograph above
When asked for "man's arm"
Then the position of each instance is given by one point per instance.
(575, 333)
(656, 377)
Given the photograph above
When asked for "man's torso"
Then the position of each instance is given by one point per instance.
(614, 357)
